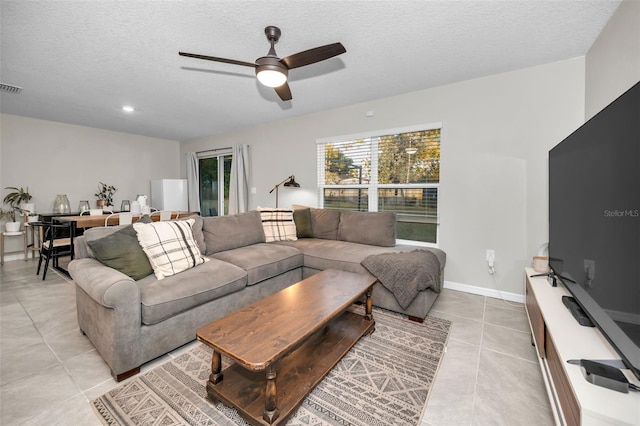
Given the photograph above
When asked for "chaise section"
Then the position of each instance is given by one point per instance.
(321, 254)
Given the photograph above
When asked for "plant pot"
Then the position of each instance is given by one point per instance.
(101, 203)
(12, 226)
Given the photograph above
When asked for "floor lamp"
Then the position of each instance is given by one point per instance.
(290, 182)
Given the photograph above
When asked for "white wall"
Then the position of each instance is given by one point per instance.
(613, 62)
(496, 134)
(55, 158)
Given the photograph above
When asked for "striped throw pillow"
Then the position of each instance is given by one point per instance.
(170, 246)
(278, 224)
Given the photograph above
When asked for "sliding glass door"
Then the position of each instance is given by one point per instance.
(215, 177)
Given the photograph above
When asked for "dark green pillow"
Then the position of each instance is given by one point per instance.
(122, 252)
(302, 219)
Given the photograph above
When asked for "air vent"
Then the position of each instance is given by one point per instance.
(7, 88)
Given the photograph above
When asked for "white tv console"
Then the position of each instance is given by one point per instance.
(558, 337)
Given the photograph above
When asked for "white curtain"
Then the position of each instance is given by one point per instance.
(239, 186)
(193, 182)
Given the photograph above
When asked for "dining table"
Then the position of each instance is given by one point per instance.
(88, 221)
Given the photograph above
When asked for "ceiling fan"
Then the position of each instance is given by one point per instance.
(273, 71)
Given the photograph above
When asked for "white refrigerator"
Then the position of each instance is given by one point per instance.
(169, 194)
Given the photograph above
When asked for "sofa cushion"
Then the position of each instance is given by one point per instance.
(196, 229)
(325, 223)
(170, 246)
(302, 219)
(162, 299)
(374, 228)
(121, 251)
(277, 224)
(229, 232)
(263, 261)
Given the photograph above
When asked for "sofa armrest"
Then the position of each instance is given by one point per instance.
(106, 286)
(109, 313)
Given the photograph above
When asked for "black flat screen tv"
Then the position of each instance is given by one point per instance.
(594, 221)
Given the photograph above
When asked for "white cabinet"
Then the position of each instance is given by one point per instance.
(169, 194)
(558, 338)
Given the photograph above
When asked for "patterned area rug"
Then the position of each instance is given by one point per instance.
(384, 379)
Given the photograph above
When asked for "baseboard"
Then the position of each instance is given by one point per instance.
(483, 291)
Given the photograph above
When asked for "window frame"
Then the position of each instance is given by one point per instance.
(373, 186)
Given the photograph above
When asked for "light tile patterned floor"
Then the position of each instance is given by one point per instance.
(49, 371)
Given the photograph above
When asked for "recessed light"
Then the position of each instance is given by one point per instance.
(128, 108)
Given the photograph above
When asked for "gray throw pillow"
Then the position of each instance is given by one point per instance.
(122, 252)
(302, 219)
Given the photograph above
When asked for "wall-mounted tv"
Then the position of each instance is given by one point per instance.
(594, 221)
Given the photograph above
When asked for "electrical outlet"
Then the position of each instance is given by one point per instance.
(491, 255)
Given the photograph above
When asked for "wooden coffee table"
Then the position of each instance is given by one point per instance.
(296, 335)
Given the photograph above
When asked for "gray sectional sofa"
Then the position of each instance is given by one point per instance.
(131, 321)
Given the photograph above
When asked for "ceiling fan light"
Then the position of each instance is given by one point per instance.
(271, 78)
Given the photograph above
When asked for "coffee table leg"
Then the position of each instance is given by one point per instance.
(271, 412)
(216, 368)
(369, 306)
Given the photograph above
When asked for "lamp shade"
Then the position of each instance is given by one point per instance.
(271, 78)
(292, 182)
(271, 72)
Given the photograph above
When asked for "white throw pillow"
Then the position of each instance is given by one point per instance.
(170, 246)
(278, 224)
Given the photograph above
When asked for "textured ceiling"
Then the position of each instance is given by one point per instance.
(79, 61)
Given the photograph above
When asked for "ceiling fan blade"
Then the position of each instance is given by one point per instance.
(213, 58)
(314, 55)
(284, 91)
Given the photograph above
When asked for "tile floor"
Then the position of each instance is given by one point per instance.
(49, 372)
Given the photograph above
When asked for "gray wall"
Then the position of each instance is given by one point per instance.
(613, 62)
(56, 158)
(495, 138)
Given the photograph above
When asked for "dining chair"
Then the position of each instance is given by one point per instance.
(57, 242)
(164, 214)
(123, 218)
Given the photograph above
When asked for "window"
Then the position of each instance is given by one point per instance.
(392, 171)
(215, 177)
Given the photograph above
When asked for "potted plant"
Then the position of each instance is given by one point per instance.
(11, 225)
(16, 199)
(105, 195)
